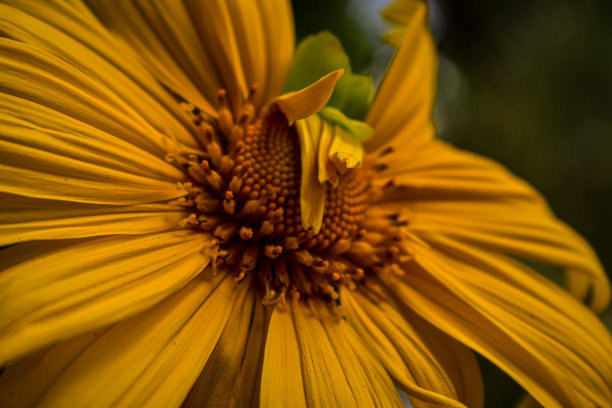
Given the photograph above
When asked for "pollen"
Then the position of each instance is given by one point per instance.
(245, 193)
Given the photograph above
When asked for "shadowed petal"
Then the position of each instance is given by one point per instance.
(52, 291)
(194, 47)
(72, 33)
(28, 219)
(544, 339)
(364, 372)
(477, 202)
(281, 382)
(403, 106)
(216, 385)
(325, 381)
(165, 348)
(402, 351)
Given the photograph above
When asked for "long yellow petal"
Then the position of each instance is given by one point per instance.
(61, 134)
(301, 104)
(476, 201)
(218, 377)
(277, 23)
(312, 134)
(164, 348)
(249, 42)
(24, 383)
(410, 364)
(534, 331)
(164, 38)
(84, 44)
(456, 359)
(444, 310)
(281, 379)
(43, 163)
(50, 292)
(28, 219)
(324, 379)
(172, 373)
(247, 388)
(365, 374)
(403, 106)
(32, 74)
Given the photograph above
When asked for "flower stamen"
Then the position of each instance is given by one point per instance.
(245, 191)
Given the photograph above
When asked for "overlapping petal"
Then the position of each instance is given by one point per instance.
(197, 48)
(282, 356)
(47, 154)
(90, 57)
(28, 219)
(402, 111)
(52, 291)
(466, 216)
(549, 343)
(165, 349)
(337, 368)
(217, 384)
(476, 201)
(34, 75)
(416, 361)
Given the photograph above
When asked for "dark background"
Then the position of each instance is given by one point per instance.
(526, 83)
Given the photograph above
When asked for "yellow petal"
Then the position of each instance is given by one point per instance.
(218, 378)
(84, 44)
(22, 384)
(173, 371)
(245, 40)
(277, 22)
(165, 348)
(312, 135)
(340, 146)
(324, 379)
(32, 74)
(326, 168)
(400, 14)
(52, 291)
(66, 136)
(281, 379)
(163, 38)
(327, 151)
(533, 330)
(406, 358)
(265, 37)
(457, 360)
(345, 151)
(370, 384)
(28, 219)
(59, 164)
(247, 387)
(477, 201)
(444, 310)
(301, 104)
(194, 47)
(403, 106)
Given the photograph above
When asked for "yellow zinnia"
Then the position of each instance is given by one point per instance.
(259, 248)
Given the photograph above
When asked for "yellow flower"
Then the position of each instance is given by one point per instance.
(249, 250)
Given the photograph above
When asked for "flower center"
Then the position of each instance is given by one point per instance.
(269, 173)
(245, 193)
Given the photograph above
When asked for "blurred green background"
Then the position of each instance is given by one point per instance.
(526, 83)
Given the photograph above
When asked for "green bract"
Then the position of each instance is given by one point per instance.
(319, 54)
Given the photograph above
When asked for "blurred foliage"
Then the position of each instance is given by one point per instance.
(526, 83)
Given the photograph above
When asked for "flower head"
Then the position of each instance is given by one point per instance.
(196, 220)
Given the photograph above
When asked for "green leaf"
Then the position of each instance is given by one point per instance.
(318, 55)
(360, 131)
